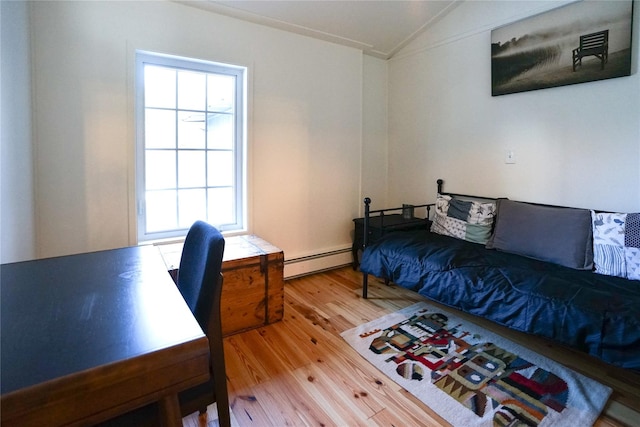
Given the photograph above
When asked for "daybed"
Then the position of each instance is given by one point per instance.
(526, 266)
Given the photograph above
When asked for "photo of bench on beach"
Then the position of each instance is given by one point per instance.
(577, 43)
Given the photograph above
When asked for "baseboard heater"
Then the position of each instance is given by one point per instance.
(315, 263)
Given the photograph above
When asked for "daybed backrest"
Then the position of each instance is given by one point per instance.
(560, 235)
(557, 234)
(604, 242)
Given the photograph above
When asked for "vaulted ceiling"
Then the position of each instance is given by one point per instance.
(378, 27)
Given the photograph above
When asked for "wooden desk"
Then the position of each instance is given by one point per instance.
(87, 337)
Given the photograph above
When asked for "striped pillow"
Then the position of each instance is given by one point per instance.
(616, 244)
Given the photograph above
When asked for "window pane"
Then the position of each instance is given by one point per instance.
(220, 92)
(220, 131)
(191, 130)
(221, 206)
(191, 169)
(159, 87)
(160, 128)
(160, 168)
(190, 144)
(192, 206)
(220, 168)
(192, 90)
(161, 210)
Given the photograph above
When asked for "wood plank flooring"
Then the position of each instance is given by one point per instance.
(299, 372)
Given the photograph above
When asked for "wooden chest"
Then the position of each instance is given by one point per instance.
(253, 287)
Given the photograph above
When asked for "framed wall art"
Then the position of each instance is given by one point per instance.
(576, 43)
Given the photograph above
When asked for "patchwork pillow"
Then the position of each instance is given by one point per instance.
(462, 219)
(616, 244)
(555, 234)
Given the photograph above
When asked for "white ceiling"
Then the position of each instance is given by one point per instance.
(378, 27)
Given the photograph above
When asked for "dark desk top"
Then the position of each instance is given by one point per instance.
(64, 315)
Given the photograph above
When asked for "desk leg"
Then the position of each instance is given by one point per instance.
(170, 411)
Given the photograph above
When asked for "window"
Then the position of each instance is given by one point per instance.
(190, 145)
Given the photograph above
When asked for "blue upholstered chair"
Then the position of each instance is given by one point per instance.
(200, 267)
(200, 283)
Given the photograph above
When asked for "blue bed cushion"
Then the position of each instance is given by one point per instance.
(555, 234)
(591, 312)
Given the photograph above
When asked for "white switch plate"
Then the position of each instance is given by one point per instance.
(509, 156)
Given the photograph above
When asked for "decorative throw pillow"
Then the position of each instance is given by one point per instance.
(459, 209)
(462, 219)
(555, 234)
(616, 244)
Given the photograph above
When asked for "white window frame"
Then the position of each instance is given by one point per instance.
(240, 182)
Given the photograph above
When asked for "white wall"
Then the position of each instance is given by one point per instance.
(317, 125)
(374, 143)
(575, 145)
(17, 226)
(305, 122)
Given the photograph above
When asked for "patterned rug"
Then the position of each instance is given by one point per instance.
(472, 377)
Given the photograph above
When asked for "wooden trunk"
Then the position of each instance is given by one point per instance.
(253, 287)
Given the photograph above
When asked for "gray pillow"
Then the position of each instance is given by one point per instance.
(459, 209)
(555, 234)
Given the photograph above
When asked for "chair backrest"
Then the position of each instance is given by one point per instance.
(200, 266)
(200, 283)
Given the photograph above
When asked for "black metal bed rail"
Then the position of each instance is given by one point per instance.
(368, 212)
(440, 182)
(367, 215)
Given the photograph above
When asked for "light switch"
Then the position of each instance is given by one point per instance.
(509, 156)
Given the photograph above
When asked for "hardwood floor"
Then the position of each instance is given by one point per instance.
(299, 372)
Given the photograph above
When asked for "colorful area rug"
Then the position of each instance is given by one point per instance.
(472, 377)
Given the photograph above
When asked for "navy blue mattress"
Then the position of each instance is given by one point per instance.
(596, 314)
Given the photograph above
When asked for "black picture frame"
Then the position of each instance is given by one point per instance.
(576, 43)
